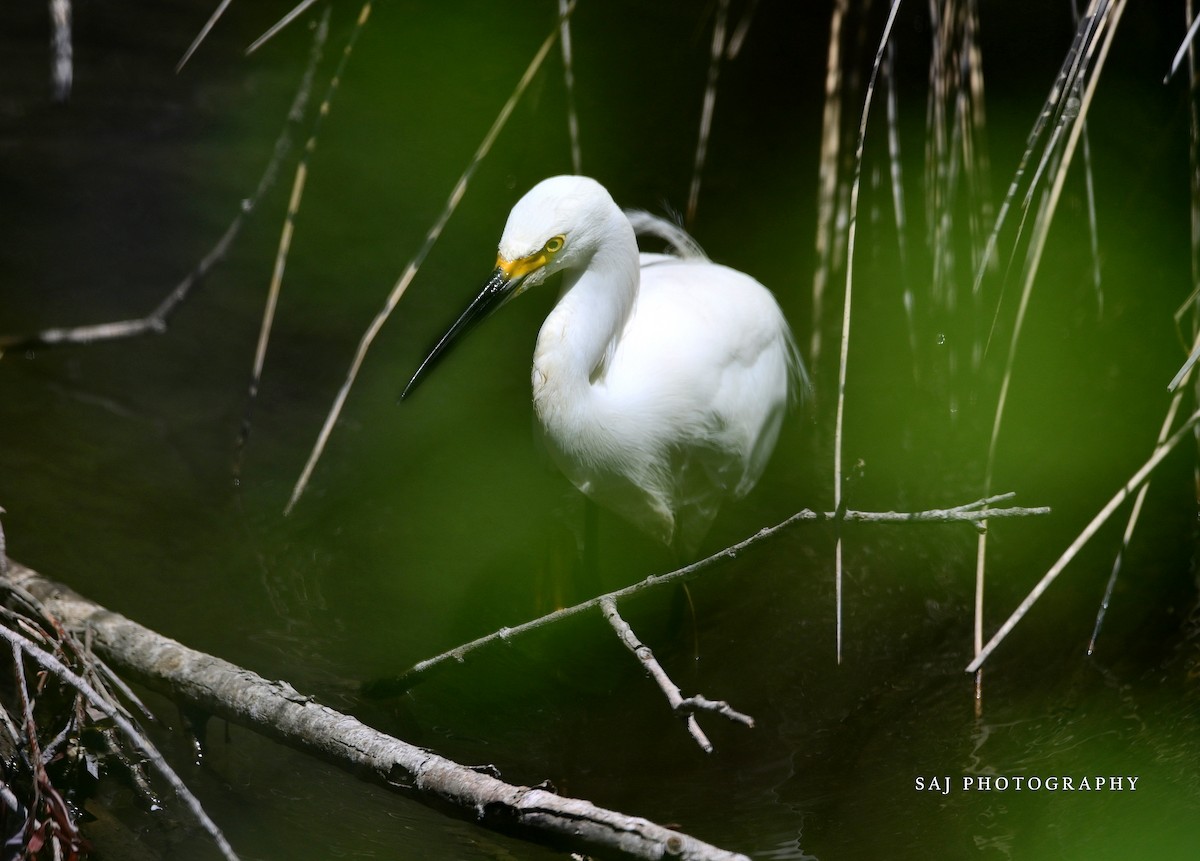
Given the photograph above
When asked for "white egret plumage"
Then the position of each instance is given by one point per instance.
(661, 380)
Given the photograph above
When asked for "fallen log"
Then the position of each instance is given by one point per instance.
(275, 709)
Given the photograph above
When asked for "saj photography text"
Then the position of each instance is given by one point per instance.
(945, 784)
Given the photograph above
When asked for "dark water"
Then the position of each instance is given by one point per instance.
(432, 523)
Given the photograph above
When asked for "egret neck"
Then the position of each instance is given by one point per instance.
(579, 335)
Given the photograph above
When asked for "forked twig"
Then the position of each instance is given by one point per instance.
(684, 707)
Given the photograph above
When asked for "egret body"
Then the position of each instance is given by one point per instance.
(660, 380)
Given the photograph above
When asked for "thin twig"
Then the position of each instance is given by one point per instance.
(414, 265)
(972, 512)
(202, 35)
(275, 28)
(1183, 49)
(684, 707)
(1139, 477)
(30, 735)
(738, 37)
(1051, 112)
(1131, 524)
(896, 172)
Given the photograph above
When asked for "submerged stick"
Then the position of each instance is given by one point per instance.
(276, 710)
(972, 512)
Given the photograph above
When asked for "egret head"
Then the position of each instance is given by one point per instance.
(557, 225)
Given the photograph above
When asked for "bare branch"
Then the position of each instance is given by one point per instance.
(971, 512)
(289, 220)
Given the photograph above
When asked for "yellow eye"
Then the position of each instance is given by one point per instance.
(554, 244)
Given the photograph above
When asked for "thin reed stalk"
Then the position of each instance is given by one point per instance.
(564, 41)
(828, 177)
(293, 209)
(716, 55)
(414, 265)
(1079, 77)
(844, 353)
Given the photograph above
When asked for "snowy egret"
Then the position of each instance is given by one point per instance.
(661, 380)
